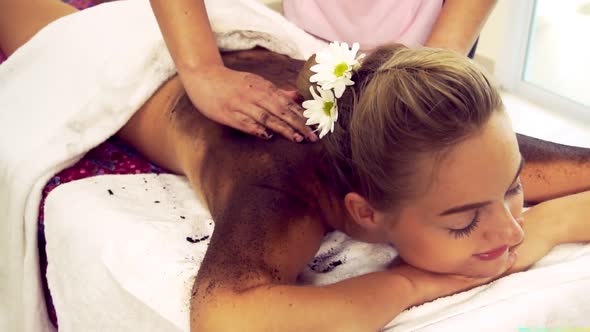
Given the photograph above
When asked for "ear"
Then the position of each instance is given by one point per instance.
(361, 212)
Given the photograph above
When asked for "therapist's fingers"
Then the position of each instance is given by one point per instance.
(273, 109)
(287, 111)
(293, 95)
(247, 124)
(273, 123)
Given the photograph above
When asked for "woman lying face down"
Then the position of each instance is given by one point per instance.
(423, 157)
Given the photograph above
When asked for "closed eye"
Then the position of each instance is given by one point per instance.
(466, 231)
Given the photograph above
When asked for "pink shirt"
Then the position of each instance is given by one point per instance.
(369, 22)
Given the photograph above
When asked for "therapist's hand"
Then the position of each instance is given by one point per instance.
(246, 102)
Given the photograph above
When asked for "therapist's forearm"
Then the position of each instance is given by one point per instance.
(459, 24)
(187, 32)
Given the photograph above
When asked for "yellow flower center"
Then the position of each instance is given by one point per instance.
(340, 69)
(328, 107)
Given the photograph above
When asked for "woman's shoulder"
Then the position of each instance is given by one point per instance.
(256, 179)
(249, 161)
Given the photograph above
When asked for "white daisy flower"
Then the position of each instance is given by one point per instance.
(322, 110)
(335, 65)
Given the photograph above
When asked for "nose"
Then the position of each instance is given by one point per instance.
(505, 228)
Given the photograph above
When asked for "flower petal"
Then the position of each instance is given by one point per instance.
(355, 48)
(324, 131)
(339, 90)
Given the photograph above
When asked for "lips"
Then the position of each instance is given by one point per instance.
(492, 254)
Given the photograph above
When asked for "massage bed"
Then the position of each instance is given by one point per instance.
(120, 240)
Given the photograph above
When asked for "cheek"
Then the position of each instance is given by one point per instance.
(435, 250)
(455, 255)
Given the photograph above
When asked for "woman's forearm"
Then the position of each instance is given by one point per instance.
(561, 220)
(365, 303)
(187, 32)
(575, 217)
(459, 24)
(552, 170)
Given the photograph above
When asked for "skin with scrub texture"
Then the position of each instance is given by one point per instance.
(423, 157)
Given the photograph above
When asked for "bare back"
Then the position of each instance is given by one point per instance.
(269, 199)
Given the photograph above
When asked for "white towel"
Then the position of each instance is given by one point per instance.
(123, 262)
(74, 84)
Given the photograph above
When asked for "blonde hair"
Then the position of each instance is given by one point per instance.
(405, 103)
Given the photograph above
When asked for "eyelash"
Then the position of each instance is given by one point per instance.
(459, 233)
(515, 190)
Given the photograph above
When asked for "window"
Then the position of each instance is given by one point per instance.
(547, 56)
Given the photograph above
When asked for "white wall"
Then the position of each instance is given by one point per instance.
(494, 33)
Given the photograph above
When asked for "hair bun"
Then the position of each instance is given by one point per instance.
(378, 57)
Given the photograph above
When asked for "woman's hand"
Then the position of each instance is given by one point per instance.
(246, 102)
(543, 228)
(540, 236)
(561, 220)
(429, 285)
